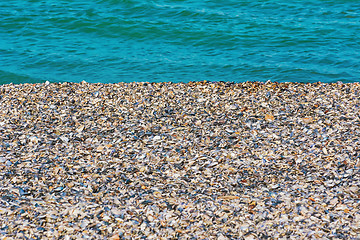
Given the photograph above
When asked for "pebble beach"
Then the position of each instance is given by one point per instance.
(197, 160)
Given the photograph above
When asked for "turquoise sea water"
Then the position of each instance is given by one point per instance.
(131, 40)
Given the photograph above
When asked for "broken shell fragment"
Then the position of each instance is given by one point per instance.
(179, 161)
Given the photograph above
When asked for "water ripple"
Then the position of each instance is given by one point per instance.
(133, 40)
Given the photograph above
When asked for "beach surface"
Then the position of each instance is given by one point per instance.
(198, 160)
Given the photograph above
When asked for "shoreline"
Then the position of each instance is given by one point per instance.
(200, 160)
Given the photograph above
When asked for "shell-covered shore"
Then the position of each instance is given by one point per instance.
(198, 160)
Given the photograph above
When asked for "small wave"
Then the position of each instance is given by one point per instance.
(16, 78)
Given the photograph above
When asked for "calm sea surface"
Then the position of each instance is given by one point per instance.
(131, 40)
